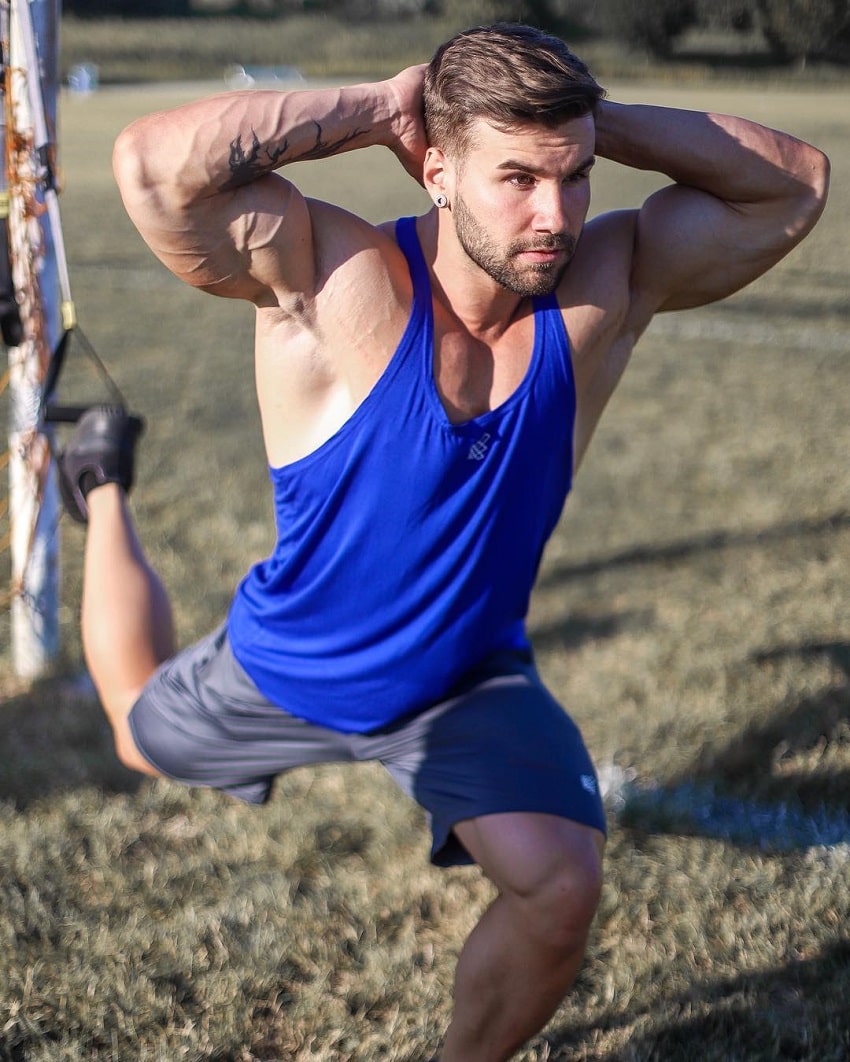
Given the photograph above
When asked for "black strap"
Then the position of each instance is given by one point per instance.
(53, 412)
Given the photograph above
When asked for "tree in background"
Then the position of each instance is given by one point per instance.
(806, 29)
(797, 30)
(650, 25)
(546, 14)
(737, 15)
(794, 29)
(127, 8)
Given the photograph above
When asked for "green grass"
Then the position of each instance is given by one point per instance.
(691, 614)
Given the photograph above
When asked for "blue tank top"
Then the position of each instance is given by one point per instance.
(407, 546)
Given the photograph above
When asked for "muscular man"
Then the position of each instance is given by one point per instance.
(427, 389)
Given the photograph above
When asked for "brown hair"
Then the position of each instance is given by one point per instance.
(507, 74)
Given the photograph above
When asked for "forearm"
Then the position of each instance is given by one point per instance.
(731, 158)
(221, 143)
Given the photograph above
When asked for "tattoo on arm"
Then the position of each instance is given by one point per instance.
(247, 164)
(322, 149)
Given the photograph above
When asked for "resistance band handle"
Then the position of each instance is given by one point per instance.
(55, 414)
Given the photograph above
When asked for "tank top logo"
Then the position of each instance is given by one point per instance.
(478, 450)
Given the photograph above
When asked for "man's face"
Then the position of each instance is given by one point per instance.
(520, 200)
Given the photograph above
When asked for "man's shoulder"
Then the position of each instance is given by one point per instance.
(340, 239)
(609, 238)
(333, 220)
(599, 272)
(359, 273)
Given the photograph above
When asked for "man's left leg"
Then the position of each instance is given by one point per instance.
(523, 956)
(126, 619)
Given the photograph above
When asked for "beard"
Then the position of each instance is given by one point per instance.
(528, 279)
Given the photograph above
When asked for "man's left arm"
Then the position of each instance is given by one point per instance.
(743, 196)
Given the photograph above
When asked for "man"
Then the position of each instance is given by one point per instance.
(427, 389)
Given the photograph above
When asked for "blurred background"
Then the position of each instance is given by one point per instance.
(329, 37)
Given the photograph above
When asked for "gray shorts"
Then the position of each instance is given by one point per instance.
(499, 743)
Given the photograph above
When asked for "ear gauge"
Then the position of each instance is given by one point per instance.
(441, 200)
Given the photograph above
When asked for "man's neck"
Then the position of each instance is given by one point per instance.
(480, 304)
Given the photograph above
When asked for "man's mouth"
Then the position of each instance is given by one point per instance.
(542, 255)
(549, 249)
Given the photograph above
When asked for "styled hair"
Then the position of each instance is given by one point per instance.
(507, 74)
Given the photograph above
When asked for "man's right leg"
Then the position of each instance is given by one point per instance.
(127, 627)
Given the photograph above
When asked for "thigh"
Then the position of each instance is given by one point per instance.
(202, 721)
(502, 746)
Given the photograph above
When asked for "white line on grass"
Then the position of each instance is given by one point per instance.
(702, 810)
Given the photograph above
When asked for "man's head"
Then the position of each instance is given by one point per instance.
(507, 75)
(509, 117)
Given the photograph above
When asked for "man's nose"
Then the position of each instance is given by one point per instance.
(551, 209)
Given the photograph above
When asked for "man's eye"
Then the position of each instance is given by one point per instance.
(523, 180)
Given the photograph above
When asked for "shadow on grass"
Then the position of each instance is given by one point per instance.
(756, 1016)
(781, 784)
(56, 738)
(674, 552)
(801, 727)
(574, 631)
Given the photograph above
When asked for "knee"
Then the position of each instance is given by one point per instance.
(117, 708)
(560, 907)
(128, 751)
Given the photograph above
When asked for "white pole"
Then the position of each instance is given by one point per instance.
(33, 493)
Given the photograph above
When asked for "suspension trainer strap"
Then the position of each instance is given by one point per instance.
(53, 412)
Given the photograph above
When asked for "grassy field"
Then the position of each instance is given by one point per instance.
(692, 614)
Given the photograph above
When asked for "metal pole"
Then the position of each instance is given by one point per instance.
(33, 493)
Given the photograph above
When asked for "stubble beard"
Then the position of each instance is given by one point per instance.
(529, 279)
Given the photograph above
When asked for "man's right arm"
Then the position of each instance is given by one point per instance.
(199, 181)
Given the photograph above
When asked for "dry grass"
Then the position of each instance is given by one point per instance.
(692, 615)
